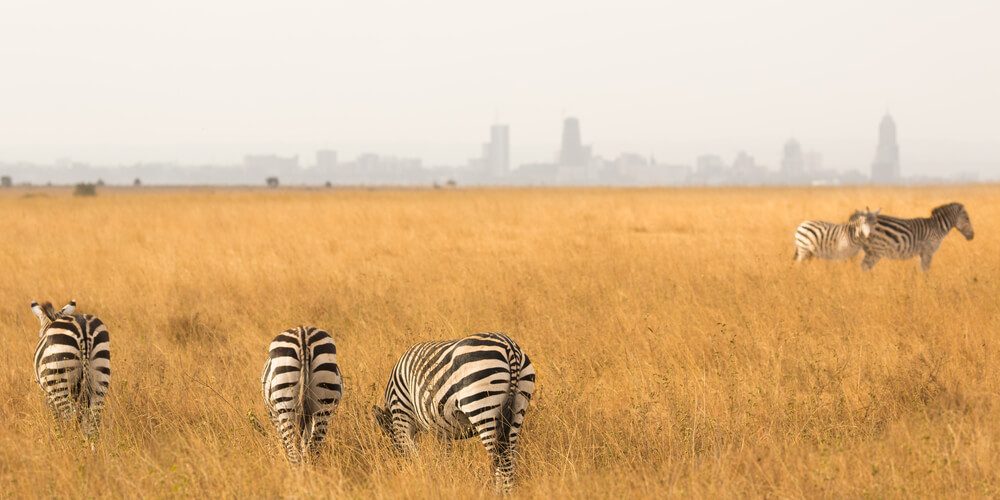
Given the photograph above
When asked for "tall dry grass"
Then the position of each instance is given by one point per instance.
(679, 350)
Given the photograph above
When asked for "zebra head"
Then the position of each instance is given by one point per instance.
(47, 314)
(953, 215)
(384, 419)
(861, 223)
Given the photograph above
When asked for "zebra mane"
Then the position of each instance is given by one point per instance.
(948, 211)
(50, 311)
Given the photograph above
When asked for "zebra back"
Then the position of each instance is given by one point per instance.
(302, 387)
(73, 365)
(479, 385)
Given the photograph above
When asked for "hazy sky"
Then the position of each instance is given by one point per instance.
(122, 81)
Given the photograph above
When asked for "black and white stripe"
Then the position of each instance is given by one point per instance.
(479, 385)
(302, 387)
(896, 238)
(73, 364)
(826, 240)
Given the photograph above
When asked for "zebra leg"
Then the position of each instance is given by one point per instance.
(925, 261)
(801, 254)
(318, 424)
(869, 262)
(285, 422)
(61, 412)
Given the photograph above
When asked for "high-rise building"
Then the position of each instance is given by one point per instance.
(497, 154)
(573, 153)
(885, 168)
(792, 161)
(326, 160)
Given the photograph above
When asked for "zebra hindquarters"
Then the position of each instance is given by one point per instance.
(323, 391)
(281, 391)
(59, 372)
(512, 421)
(497, 418)
(96, 382)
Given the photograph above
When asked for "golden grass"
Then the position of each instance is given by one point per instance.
(679, 350)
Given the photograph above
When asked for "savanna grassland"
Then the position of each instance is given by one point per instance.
(679, 350)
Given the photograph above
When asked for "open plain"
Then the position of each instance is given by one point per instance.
(679, 349)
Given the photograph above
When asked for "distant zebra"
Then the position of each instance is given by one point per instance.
(826, 240)
(73, 364)
(896, 238)
(302, 388)
(479, 385)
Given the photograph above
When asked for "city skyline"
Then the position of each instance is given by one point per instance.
(111, 82)
(574, 163)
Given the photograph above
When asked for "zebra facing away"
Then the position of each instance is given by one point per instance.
(826, 240)
(896, 238)
(479, 385)
(73, 364)
(302, 387)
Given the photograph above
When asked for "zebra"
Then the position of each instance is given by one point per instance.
(826, 240)
(479, 385)
(73, 364)
(897, 238)
(302, 387)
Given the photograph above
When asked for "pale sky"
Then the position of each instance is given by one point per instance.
(207, 81)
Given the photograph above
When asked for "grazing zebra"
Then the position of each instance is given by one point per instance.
(479, 385)
(73, 364)
(896, 238)
(826, 240)
(302, 387)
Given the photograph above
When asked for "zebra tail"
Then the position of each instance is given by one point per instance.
(85, 414)
(507, 411)
(304, 434)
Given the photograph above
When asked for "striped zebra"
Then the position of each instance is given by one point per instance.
(479, 385)
(302, 388)
(826, 240)
(73, 364)
(896, 238)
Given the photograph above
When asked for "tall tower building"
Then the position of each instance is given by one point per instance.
(885, 168)
(792, 160)
(498, 154)
(572, 153)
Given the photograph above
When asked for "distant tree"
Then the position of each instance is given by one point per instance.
(272, 182)
(85, 189)
(100, 182)
(137, 182)
(329, 184)
(6, 181)
(451, 183)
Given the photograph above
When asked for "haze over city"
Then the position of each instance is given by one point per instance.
(208, 84)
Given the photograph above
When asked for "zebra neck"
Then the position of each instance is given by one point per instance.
(943, 222)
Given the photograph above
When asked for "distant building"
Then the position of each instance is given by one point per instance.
(745, 170)
(326, 160)
(495, 161)
(792, 160)
(270, 165)
(885, 168)
(573, 153)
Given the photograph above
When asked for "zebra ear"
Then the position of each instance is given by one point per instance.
(68, 309)
(37, 309)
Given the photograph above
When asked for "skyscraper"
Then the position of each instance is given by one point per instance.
(573, 153)
(792, 161)
(498, 154)
(326, 160)
(885, 168)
